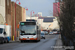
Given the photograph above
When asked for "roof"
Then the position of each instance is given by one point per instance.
(31, 20)
(47, 19)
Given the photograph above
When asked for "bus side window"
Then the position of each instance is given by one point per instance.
(37, 29)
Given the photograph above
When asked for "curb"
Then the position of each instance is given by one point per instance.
(58, 44)
(13, 41)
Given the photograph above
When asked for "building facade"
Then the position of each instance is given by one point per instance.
(2, 11)
(8, 11)
(7, 14)
(46, 23)
(20, 16)
(40, 13)
(5, 11)
(23, 14)
(56, 9)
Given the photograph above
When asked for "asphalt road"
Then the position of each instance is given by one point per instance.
(44, 44)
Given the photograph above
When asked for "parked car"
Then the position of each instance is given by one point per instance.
(50, 33)
(42, 31)
(58, 32)
(42, 35)
(54, 31)
(46, 33)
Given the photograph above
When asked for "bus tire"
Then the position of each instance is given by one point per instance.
(21, 41)
(38, 40)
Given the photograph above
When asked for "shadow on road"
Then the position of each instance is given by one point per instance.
(29, 42)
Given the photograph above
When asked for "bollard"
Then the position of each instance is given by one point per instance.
(13, 38)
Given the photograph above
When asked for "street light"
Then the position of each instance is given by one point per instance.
(25, 12)
(26, 8)
(31, 13)
(15, 16)
(36, 16)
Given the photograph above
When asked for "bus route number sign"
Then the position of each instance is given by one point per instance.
(22, 23)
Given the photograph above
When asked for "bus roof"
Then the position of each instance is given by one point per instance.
(28, 23)
(36, 23)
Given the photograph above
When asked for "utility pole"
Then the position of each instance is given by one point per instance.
(15, 17)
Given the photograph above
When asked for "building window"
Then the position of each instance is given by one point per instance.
(7, 2)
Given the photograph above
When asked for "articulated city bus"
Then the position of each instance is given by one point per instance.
(29, 31)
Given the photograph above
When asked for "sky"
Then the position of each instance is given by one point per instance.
(44, 6)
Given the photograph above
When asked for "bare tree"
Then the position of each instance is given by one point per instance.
(67, 18)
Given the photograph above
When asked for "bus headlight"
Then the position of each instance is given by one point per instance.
(34, 36)
(21, 37)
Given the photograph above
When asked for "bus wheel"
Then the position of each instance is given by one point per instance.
(21, 41)
(38, 40)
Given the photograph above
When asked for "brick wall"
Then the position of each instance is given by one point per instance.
(18, 16)
(23, 14)
(8, 11)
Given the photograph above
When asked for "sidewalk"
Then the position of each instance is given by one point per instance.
(12, 41)
(58, 45)
(17, 40)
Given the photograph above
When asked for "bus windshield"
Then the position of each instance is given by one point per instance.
(28, 29)
(1, 30)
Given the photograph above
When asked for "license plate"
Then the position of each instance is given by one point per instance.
(28, 39)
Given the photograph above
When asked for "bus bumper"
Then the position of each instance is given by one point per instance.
(27, 38)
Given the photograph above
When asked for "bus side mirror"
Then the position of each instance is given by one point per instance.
(4, 33)
(18, 26)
